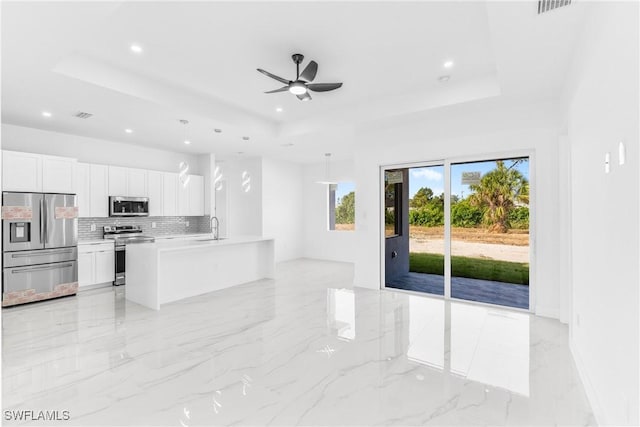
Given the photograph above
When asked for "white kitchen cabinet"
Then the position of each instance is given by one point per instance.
(196, 195)
(127, 182)
(58, 174)
(86, 268)
(83, 189)
(91, 188)
(21, 171)
(96, 263)
(99, 191)
(155, 193)
(183, 198)
(105, 261)
(117, 181)
(169, 194)
(136, 183)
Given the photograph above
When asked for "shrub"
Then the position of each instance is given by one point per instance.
(431, 215)
(464, 214)
(519, 218)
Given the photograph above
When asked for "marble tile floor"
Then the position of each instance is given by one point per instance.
(487, 291)
(303, 349)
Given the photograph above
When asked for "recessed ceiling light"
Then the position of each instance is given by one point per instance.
(136, 48)
(46, 114)
(279, 109)
(444, 79)
(245, 138)
(128, 130)
(448, 64)
(186, 141)
(217, 130)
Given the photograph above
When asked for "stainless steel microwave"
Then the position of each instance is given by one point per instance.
(128, 206)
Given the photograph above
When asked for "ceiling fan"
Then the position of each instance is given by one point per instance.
(301, 86)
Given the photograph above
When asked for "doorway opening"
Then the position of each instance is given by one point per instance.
(460, 229)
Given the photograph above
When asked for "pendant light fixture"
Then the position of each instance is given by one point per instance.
(217, 178)
(327, 171)
(183, 167)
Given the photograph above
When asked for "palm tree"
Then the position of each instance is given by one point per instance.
(498, 192)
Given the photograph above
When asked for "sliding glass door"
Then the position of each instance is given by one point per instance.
(482, 207)
(416, 259)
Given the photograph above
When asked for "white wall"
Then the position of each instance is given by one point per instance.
(494, 126)
(282, 207)
(602, 102)
(92, 150)
(319, 242)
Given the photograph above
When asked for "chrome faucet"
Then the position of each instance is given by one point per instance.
(215, 233)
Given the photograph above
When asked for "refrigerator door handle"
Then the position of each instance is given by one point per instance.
(42, 221)
(46, 267)
(42, 252)
(45, 214)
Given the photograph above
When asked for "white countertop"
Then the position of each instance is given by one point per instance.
(203, 241)
(163, 237)
(94, 241)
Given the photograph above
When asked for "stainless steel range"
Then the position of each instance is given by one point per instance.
(122, 236)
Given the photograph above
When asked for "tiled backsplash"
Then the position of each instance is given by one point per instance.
(164, 225)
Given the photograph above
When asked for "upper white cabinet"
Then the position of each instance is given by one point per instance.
(117, 181)
(58, 174)
(136, 183)
(155, 193)
(169, 194)
(83, 189)
(91, 188)
(99, 191)
(183, 198)
(127, 182)
(93, 183)
(196, 195)
(37, 173)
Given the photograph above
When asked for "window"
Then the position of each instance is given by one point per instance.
(392, 203)
(342, 206)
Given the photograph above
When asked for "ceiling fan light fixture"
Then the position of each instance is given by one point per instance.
(297, 88)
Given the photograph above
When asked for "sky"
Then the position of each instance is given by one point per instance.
(343, 189)
(433, 176)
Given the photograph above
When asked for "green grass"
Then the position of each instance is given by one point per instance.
(474, 268)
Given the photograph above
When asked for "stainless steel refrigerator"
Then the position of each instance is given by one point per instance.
(39, 246)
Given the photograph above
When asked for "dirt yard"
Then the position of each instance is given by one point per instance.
(470, 242)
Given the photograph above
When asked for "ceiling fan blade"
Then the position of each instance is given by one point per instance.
(304, 97)
(282, 89)
(273, 76)
(323, 87)
(310, 71)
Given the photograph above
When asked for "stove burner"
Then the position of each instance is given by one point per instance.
(125, 234)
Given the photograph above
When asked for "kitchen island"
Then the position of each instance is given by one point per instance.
(171, 270)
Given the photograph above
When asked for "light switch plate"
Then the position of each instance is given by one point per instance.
(186, 223)
(153, 225)
(93, 227)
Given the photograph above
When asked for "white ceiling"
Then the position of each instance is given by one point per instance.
(200, 58)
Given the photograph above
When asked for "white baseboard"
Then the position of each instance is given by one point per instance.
(588, 386)
(543, 311)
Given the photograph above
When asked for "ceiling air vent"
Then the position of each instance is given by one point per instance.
(547, 5)
(83, 115)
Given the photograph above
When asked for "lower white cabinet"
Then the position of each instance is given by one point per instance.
(96, 263)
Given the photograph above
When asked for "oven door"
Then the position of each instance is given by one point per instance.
(120, 264)
(128, 206)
